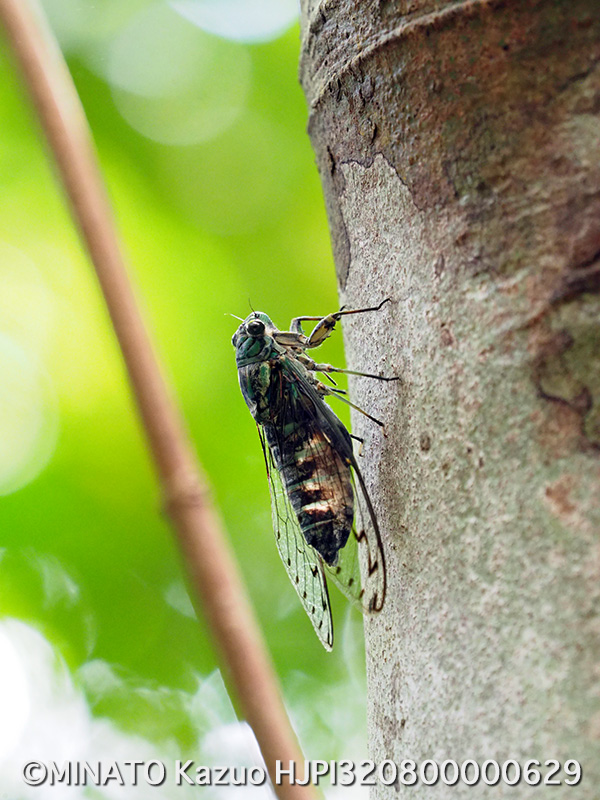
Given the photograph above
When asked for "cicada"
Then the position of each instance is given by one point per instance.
(323, 517)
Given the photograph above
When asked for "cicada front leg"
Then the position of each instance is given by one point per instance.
(325, 325)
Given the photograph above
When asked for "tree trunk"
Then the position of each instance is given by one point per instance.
(459, 149)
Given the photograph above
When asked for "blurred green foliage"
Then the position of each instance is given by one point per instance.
(203, 145)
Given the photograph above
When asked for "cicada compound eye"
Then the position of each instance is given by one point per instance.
(256, 327)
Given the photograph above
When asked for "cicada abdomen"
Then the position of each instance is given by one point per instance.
(317, 481)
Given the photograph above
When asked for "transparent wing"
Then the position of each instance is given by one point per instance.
(302, 563)
(363, 553)
(360, 571)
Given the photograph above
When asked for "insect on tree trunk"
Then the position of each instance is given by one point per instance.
(459, 149)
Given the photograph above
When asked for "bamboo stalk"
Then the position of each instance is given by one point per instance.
(206, 552)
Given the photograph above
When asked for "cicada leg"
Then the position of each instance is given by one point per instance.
(361, 443)
(362, 411)
(329, 368)
(326, 324)
(326, 390)
(313, 366)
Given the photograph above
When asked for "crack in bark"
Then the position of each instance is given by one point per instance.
(339, 231)
(367, 163)
(582, 280)
(578, 77)
(549, 360)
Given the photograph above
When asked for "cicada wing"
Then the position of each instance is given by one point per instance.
(303, 564)
(360, 571)
(362, 555)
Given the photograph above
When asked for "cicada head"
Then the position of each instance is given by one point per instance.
(253, 340)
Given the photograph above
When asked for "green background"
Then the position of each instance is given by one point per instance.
(203, 145)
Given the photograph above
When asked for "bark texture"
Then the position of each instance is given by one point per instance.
(459, 149)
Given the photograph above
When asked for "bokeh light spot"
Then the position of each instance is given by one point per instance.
(259, 21)
(14, 697)
(28, 418)
(27, 303)
(46, 715)
(182, 86)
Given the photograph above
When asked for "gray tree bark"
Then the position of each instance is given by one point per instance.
(459, 149)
